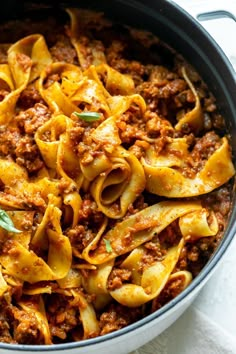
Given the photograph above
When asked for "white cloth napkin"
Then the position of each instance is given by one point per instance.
(193, 333)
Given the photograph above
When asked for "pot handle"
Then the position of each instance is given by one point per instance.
(207, 11)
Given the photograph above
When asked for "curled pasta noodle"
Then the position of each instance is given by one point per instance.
(184, 276)
(120, 104)
(7, 105)
(142, 227)
(153, 280)
(122, 183)
(19, 217)
(54, 94)
(169, 182)
(21, 191)
(195, 225)
(26, 59)
(108, 134)
(77, 24)
(56, 149)
(87, 314)
(93, 244)
(73, 279)
(193, 118)
(40, 314)
(37, 290)
(73, 90)
(35, 48)
(59, 252)
(97, 284)
(3, 284)
(115, 82)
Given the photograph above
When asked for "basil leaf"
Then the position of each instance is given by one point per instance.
(108, 245)
(88, 116)
(6, 222)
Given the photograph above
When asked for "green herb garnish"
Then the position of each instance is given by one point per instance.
(108, 245)
(88, 116)
(6, 222)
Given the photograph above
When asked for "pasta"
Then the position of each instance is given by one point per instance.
(115, 178)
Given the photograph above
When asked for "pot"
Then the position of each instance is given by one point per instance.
(176, 27)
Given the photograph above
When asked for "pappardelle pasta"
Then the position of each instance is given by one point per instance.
(115, 172)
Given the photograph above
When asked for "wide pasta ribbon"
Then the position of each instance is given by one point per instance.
(26, 59)
(148, 285)
(87, 315)
(117, 88)
(38, 309)
(25, 265)
(169, 182)
(152, 281)
(89, 51)
(22, 193)
(7, 105)
(96, 284)
(119, 185)
(53, 141)
(115, 82)
(194, 118)
(173, 154)
(53, 94)
(138, 228)
(35, 49)
(58, 154)
(3, 284)
(183, 276)
(72, 91)
(107, 133)
(23, 221)
(200, 223)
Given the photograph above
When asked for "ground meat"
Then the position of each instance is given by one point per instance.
(157, 126)
(28, 155)
(23, 149)
(171, 290)
(117, 317)
(33, 118)
(159, 93)
(24, 61)
(3, 94)
(170, 235)
(63, 315)
(63, 51)
(117, 277)
(205, 146)
(220, 201)
(5, 330)
(3, 53)
(26, 327)
(29, 97)
(9, 138)
(133, 68)
(80, 237)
